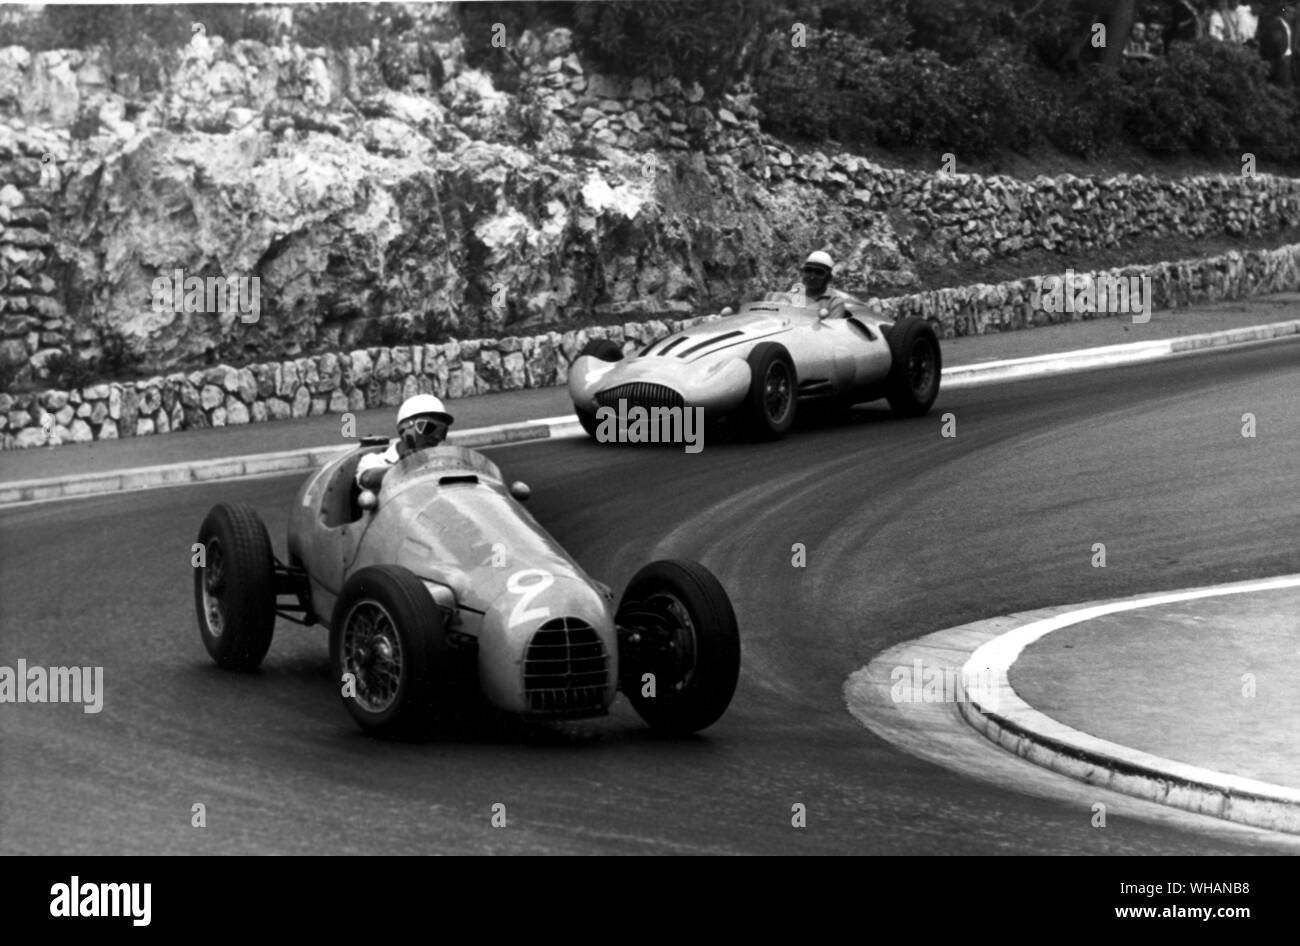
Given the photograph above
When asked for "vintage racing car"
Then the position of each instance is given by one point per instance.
(758, 364)
(443, 582)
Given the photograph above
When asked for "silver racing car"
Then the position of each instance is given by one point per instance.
(759, 364)
(443, 586)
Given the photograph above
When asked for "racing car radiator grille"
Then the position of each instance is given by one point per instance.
(565, 669)
(640, 394)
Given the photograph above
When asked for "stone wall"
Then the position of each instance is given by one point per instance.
(453, 209)
(32, 315)
(374, 377)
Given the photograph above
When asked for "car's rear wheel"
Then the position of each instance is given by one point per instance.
(679, 650)
(916, 366)
(388, 651)
(604, 350)
(769, 407)
(234, 587)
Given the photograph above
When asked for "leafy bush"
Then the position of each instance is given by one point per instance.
(115, 362)
(705, 41)
(68, 372)
(1088, 117)
(842, 87)
(1208, 97)
(118, 360)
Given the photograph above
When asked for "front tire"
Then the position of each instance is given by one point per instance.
(769, 407)
(588, 421)
(389, 636)
(916, 366)
(234, 588)
(604, 350)
(676, 624)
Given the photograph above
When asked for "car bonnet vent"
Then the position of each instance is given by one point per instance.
(457, 478)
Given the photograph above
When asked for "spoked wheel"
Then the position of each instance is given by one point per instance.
(770, 405)
(372, 653)
(234, 587)
(679, 646)
(388, 651)
(914, 376)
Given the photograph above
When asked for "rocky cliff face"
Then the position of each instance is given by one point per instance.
(453, 210)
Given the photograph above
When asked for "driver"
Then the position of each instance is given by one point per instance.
(816, 275)
(422, 422)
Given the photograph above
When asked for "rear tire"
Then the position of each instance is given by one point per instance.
(677, 624)
(769, 407)
(234, 589)
(389, 635)
(916, 367)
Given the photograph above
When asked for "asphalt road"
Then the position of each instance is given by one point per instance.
(906, 532)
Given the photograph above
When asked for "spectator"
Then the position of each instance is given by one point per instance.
(1247, 22)
(1155, 39)
(1137, 46)
(1275, 44)
(1217, 24)
(1222, 23)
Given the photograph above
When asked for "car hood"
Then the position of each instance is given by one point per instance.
(457, 524)
(707, 338)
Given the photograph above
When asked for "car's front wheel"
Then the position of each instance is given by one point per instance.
(679, 647)
(604, 350)
(916, 365)
(769, 406)
(588, 421)
(234, 586)
(388, 651)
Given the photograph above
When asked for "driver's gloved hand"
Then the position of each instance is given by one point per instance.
(373, 479)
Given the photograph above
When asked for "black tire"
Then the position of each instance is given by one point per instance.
(695, 663)
(234, 589)
(769, 407)
(603, 349)
(916, 367)
(389, 635)
(588, 422)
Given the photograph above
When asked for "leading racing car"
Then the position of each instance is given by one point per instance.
(444, 580)
(759, 364)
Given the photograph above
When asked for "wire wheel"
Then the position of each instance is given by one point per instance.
(777, 392)
(372, 653)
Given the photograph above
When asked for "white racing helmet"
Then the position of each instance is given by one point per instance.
(422, 404)
(820, 259)
(422, 421)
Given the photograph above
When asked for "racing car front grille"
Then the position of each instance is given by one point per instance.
(565, 669)
(640, 394)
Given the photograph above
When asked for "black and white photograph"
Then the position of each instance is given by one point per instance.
(652, 427)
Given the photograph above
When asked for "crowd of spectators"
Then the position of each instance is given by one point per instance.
(1191, 20)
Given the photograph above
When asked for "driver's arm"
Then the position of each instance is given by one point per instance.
(372, 478)
(372, 467)
(833, 307)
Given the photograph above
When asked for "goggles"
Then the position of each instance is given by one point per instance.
(422, 427)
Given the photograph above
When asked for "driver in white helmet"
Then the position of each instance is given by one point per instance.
(422, 422)
(816, 275)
